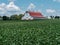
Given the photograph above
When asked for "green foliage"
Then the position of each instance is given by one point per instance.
(21, 15)
(0, 16)
(36, 32)
(16, 17)
(5, 18)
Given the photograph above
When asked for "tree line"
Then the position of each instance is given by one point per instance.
(55, 17)
(18, 17)
(12, 17)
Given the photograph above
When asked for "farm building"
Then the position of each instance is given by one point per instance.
(30, 15)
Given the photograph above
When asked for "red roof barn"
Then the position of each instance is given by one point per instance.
(36, 14)
(32, 15)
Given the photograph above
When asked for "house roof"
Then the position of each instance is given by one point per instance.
(36, 14)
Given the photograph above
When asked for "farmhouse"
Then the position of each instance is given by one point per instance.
(30, 15)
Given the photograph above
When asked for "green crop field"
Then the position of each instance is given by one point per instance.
(36, 32)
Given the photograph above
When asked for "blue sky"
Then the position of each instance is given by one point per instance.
(47, 7)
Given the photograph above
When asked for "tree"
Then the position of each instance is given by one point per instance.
(21, 15)
(5, 18)
(16, 17)
(57, 17)
(0, 17)
(13, 17)
(52, 17)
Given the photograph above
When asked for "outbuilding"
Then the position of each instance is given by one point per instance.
(30, 15)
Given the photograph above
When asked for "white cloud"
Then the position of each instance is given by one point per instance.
(2, 9)
(12, 0)
(9, 9)
(31, 6)
(50, 11)
(2, 5)
(53, 12)
(12, 7)
(56, 0)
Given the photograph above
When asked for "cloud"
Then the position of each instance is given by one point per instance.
(56, 0)
(53, 12)
(12, 8)
(50, 11)
(31, 6)
(2, 5)
(12, 0)
(2, 9)
(9, 9)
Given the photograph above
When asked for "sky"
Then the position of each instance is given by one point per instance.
(46, 7)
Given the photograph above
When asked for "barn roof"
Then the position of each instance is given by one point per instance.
(36, 14)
